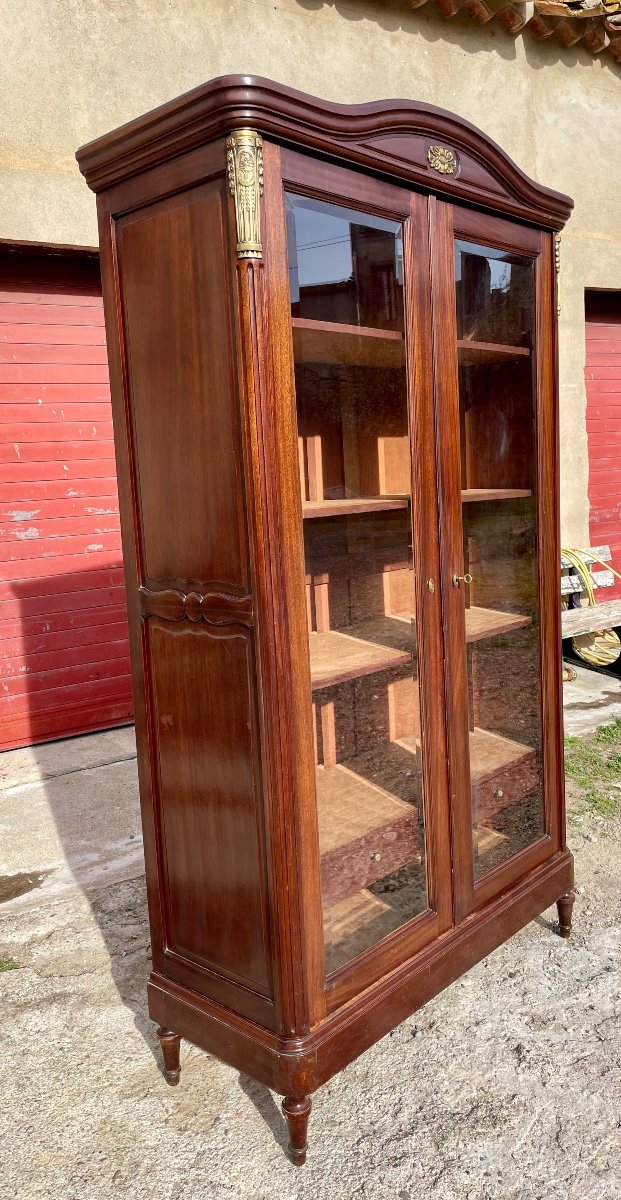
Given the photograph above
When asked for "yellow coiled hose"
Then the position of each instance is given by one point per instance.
(602, 647)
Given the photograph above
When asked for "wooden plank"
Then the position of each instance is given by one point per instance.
(473, 495)
(502, 771)
(41, 352)
(387, 642)
(338, 656)
(340, 508)
(44, 529)
(46, 412)
(574, 583)
(591, 554)
(351, 916)
(346, 345)
(80, 652)
(483, 622)
(48, 681)
(32, 476)
(21, 645)
(41, 452)
(364, 833)
(33, 631)
(58, 373)
(486, 622)
(81, 546)
(488, 352)
(61, 393)
(52, 335)
(590, 619)
(47, 509)
(40, 315)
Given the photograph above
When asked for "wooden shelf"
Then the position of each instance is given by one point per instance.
(343, 508)
(359, 820)
(364, 832)
(346, 345)
(352, 916)
(474, 495)
(338, 657)
(481, 622)
(386, 642)
(488, 622)
(489, 352)
(502, 771)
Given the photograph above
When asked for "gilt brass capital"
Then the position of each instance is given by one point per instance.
(244, 156)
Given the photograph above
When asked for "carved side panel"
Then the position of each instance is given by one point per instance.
(208, 798)
(195, 665)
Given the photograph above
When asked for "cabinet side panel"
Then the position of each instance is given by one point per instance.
(186, 543)
(173, 258)
(207, 763)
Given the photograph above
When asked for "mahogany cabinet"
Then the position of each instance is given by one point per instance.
(332, 341)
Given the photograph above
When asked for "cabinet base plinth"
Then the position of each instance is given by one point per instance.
(296, 1067)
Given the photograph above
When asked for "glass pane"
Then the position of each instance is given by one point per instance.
(494, 295)
(499, 508)
(344, 267)
(355, 479)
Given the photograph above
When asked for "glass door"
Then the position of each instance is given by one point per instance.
(493, 518)
(361, 537)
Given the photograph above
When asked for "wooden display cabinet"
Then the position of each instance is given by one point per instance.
(332, 340)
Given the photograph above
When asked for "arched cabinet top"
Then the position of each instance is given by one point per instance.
(419, 143)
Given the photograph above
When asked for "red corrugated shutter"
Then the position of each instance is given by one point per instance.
(64, 664)
(603, 387)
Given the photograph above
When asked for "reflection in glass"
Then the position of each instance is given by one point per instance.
(355, 480)
(494, 295)
(495, 302)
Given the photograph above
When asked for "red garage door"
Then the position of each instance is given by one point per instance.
(603, 388)
(64, 666)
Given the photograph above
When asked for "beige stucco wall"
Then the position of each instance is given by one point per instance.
(71, 71)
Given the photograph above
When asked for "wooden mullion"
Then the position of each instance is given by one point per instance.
(426, 557)
(453, 615)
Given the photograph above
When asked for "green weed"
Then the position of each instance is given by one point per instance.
(593, 765)
(8, 964)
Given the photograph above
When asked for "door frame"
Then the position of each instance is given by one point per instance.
(449, 222)
(345, 186)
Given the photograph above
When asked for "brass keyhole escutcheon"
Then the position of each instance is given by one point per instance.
(457, 579)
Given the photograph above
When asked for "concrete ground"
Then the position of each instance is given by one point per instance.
(505, 1087)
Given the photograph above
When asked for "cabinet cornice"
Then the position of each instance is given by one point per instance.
(403, 139)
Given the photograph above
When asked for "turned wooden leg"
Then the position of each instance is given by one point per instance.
(171, 1048)
(297, 1113)
(565, 906)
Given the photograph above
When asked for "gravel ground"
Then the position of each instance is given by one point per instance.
(505, 1087)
